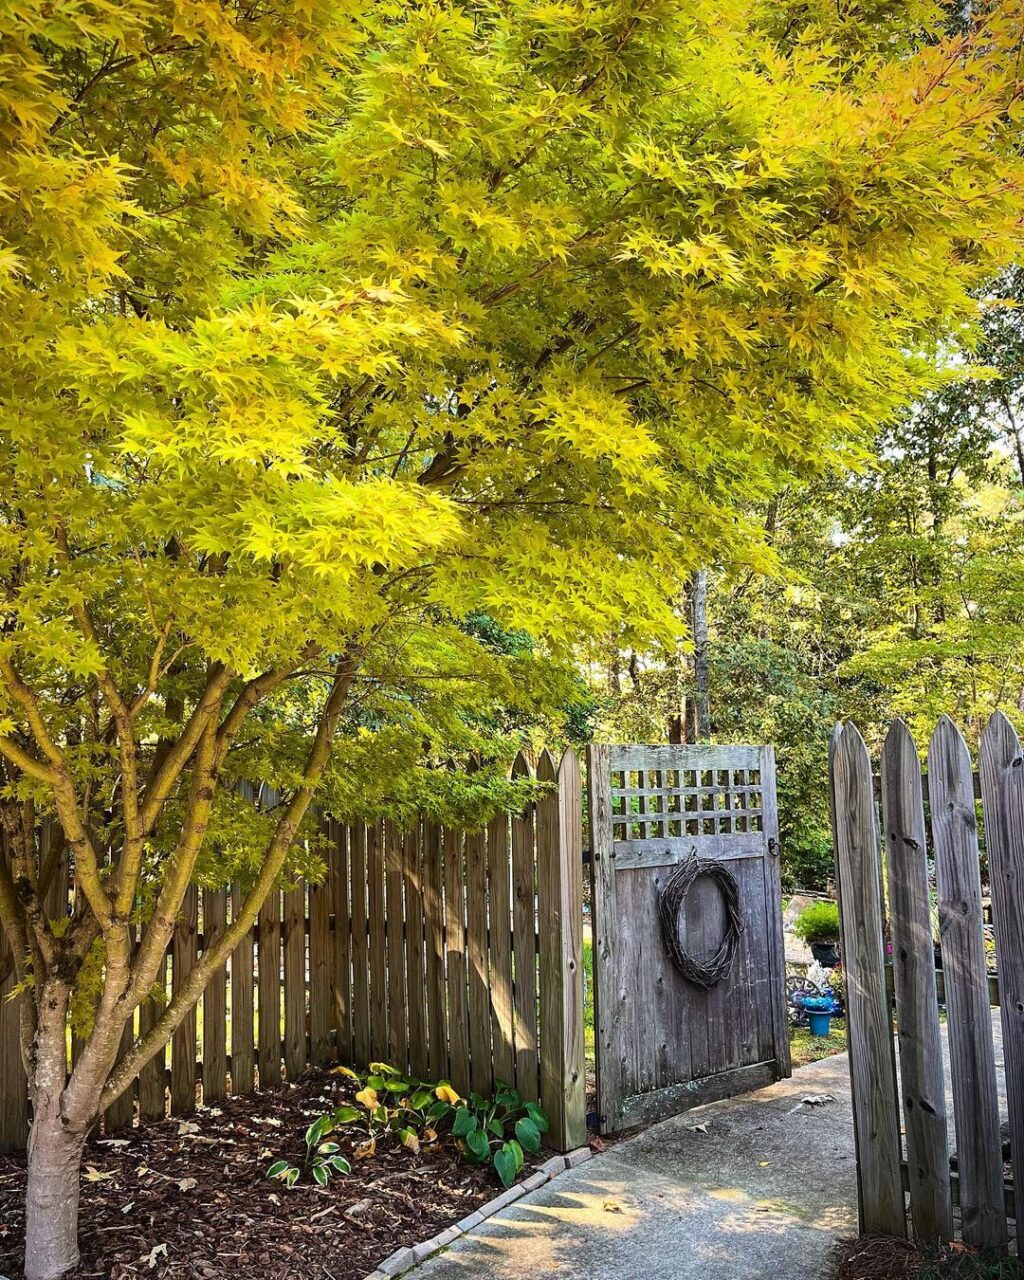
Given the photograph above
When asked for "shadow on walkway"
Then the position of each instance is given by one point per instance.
(759, 1185)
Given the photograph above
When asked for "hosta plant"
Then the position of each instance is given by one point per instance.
(386, 1104)
(499, 1130)
(323, 1158)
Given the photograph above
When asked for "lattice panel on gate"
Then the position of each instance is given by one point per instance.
(659, 802)
(655, 803)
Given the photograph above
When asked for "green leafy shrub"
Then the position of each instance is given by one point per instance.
(818, 922)
(323, 1158)
(387, 1105)
(499, 1130)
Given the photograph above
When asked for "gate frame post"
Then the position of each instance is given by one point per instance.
(563, 1068)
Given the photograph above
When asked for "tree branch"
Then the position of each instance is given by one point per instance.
(277, 851)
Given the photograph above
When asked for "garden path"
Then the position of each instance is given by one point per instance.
(756, 1186)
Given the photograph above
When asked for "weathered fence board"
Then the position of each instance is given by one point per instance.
(1002, 788)
(524, 945)
(183, 1043)
(398, 1024)
(215, 1001)
(321, 976)
(421, 946)
(876, 1118)
(433, 912)
(377, 934)
(293, 937)
(153, 1076)
(358, 887)
(269, 990)
(414, 957)
(243, 1025)
(609, 989)
(560, 901)
(917, 1010)
(13, 1092)
(498, 879)
(972, 1057)
(478, 1000)
(341, 976)
(455, 955)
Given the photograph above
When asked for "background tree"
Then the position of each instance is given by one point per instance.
(328, 327)
(898, 590)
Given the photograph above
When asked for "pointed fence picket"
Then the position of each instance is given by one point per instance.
(971, 1052)
(875, 1106)
(1002, 789)
(456, 955)
(977, 1186)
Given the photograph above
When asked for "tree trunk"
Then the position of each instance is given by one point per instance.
(697, 726)
(51, 1209)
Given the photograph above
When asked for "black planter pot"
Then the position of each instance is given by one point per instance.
(825, 953)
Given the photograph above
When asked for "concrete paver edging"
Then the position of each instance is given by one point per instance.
(409, 1256)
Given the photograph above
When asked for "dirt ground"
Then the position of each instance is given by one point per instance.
(191, 1198)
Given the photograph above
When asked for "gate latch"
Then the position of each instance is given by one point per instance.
(773, 847)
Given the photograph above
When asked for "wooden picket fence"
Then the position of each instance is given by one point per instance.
(450, 954)
(985, 1197)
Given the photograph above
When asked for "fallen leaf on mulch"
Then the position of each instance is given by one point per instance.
(205, 1210)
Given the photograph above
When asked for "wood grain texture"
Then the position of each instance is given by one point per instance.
(875, 1109)
(397, 1011)
(917, 1010)
(499, 880)
(455, 959)
(833, 744)
(1002, 788)
(965, 980)
(153, 1076)
(268, 989)
(478, 975)
(698, 755)
(433, 912)
(183, 1042)
(243, 1045)
(524, 943)
(293, 939)
(321, 970)
(341, 979)
(609, 994)
(560, 911)
(414, 956)
(377, 941)
(358, 887)
(215, 1002)
(776, 946)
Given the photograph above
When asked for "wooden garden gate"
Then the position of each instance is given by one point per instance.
(664, 1043)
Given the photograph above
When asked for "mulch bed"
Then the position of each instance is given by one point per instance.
(874, 1258)
(191, 1198)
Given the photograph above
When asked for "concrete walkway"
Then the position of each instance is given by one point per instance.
(757, 1186)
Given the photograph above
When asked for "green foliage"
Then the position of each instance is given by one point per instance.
(323, 1158)
(329, 329)
(818, 922)
(498, 1130)
(388, 1106)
